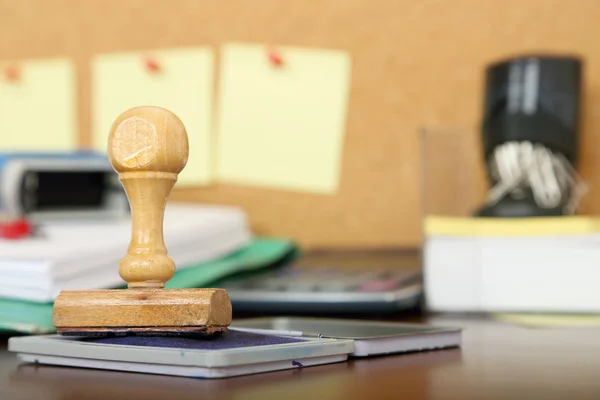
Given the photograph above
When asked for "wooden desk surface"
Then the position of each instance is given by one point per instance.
(497, 361)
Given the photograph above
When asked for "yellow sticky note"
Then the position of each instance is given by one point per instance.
(38, 106)
(282, 126)
(551, 320)
(180, 80)
(503, 227)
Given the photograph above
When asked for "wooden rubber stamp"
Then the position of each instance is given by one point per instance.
(148, 148)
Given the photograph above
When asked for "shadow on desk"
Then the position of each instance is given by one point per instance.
(355, 379)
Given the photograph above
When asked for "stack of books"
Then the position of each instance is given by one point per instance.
(528, 265)
(206, 243)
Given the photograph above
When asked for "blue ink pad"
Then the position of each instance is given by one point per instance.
(233, 353)
(230, 340)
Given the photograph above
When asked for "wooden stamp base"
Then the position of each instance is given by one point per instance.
(142, 312)
(156, 331)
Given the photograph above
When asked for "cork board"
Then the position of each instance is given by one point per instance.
(414, 64)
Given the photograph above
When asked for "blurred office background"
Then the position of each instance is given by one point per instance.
(335, 125)
(413, 64)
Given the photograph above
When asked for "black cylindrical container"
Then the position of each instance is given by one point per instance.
(530, 100)
(533, 98)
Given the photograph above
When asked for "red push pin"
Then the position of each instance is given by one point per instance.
(152, 65)
(12, 74)
(13, 229)
(275, 58)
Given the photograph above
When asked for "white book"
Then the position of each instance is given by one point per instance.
(86, 254)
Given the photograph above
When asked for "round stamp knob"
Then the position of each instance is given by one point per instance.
(148, 139)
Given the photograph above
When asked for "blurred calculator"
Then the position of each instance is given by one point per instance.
(324, 290)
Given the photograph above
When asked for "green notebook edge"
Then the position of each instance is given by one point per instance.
(25, 317)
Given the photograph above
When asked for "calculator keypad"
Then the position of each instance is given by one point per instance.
(293, 279)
